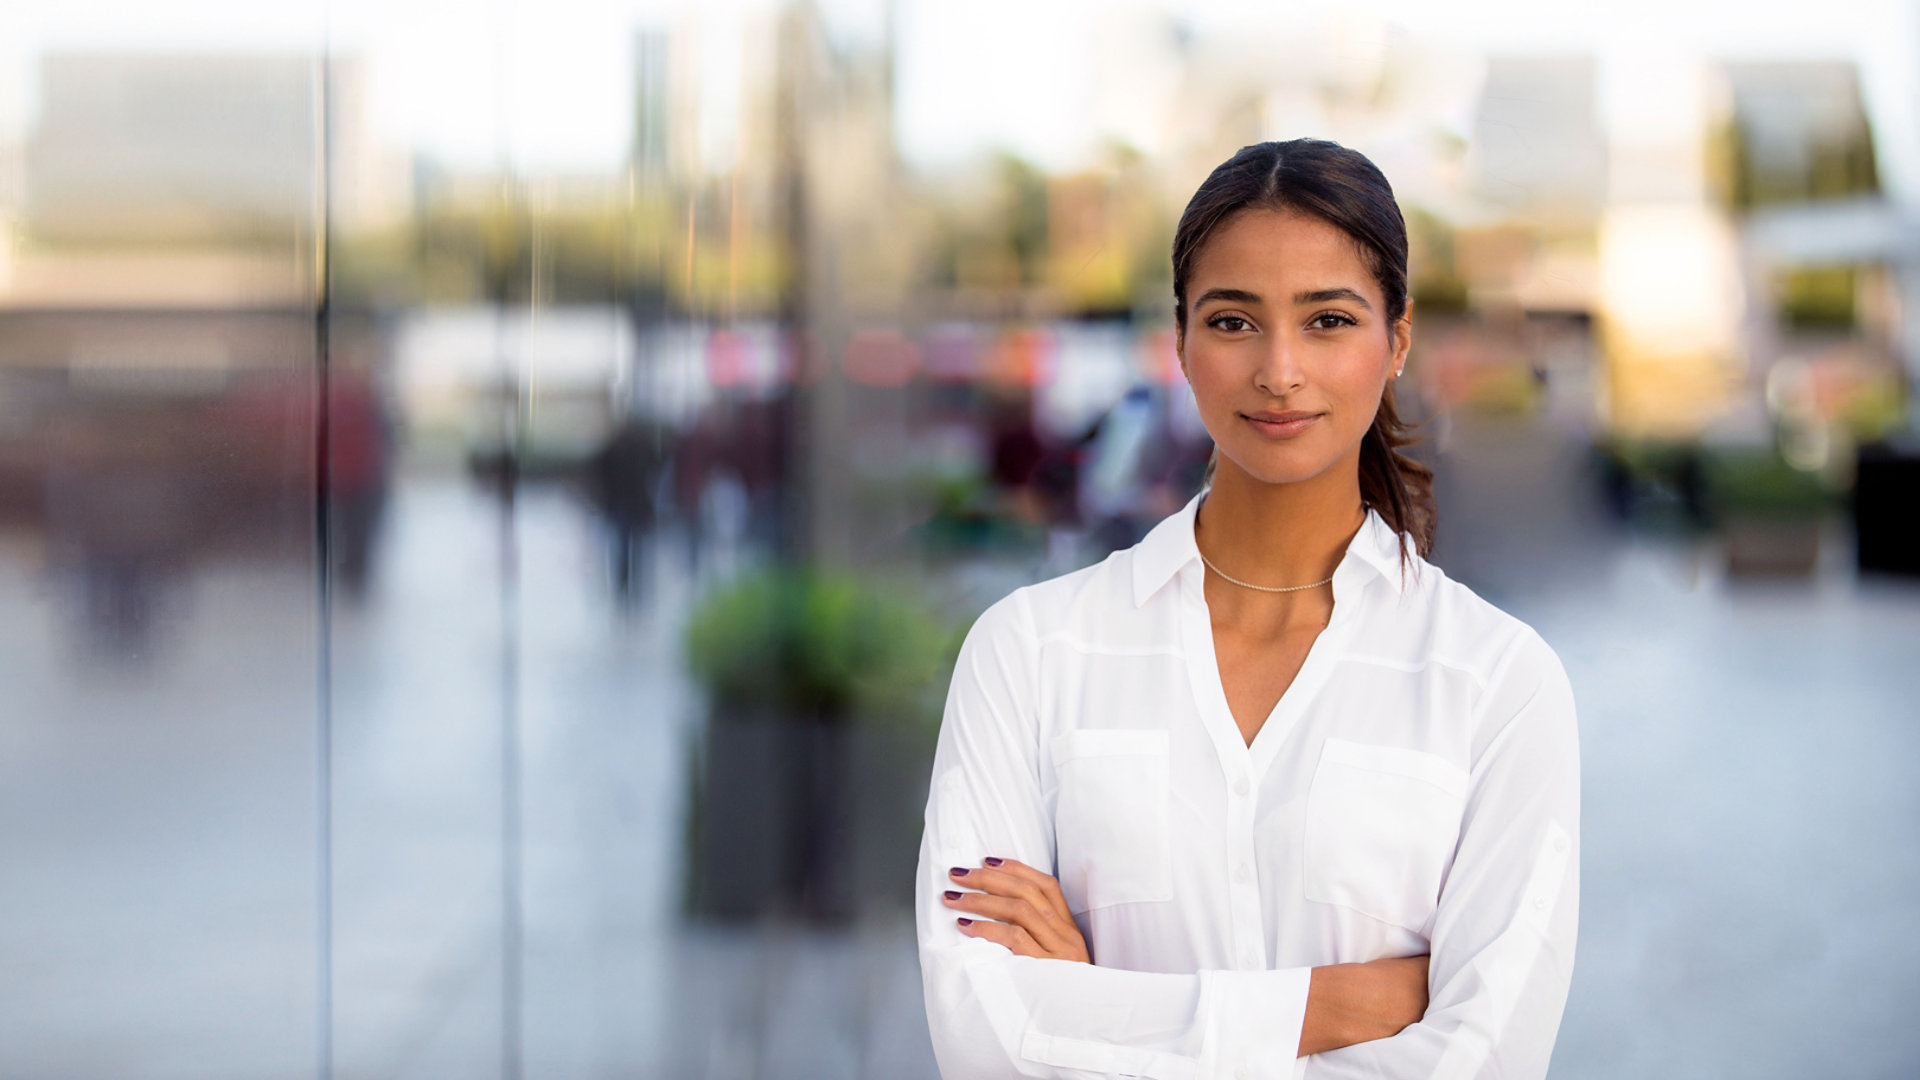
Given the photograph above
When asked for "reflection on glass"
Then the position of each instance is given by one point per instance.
(157, 374)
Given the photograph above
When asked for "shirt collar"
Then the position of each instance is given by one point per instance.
(1169, 546)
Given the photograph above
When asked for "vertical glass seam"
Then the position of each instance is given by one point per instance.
(323, 546)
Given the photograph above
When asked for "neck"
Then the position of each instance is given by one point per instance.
(1278, 534)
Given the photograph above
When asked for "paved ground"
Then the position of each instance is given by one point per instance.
(1752, 833)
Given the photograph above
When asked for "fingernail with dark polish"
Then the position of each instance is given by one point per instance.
(966, 922)
(991, 861)
(958, 871)
(952, 895)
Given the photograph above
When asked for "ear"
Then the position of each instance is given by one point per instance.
(1402, 340)
(1180, 349)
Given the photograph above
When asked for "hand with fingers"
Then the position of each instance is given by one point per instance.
(1017, 906)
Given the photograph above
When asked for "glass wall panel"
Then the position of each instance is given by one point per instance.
(425, 323)
(161, 783)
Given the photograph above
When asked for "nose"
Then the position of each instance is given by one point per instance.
(1280, 373)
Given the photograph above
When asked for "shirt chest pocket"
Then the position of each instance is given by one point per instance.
(1382, 823)
(1112, 817)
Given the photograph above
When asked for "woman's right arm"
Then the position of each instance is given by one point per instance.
(993, 1013)
(1355, 1003)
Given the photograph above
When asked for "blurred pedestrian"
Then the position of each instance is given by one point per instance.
(623, 478)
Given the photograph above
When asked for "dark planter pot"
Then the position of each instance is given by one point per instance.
(804, 818)
(1886, 508)
(1772, 546)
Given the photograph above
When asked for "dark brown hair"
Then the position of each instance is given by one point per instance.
(1344, 189)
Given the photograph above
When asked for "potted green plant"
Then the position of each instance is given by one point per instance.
(1768, 511)
(823, 695)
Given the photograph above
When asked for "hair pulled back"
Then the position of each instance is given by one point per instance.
(1344, 189)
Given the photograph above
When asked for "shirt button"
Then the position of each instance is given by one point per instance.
(1540, 903)
(1244, 874)
(1559, 843)
(1240, 787)
(1247, 959)
(1241, 1073)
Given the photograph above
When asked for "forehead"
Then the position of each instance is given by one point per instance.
(1289, 251)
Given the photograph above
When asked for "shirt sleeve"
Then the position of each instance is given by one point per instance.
(1501, 954)
(995, 1015)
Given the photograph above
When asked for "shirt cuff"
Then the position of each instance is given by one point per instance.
(1254, 1019)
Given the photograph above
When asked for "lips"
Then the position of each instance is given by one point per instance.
(1280, 425)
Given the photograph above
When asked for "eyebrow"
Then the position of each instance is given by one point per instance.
(1233, 296)
(1314, 296)
(1321, 296)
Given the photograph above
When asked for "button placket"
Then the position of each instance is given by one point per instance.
(1243, 896)
(1238, 767)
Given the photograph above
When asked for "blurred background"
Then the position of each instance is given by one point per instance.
(489, 495)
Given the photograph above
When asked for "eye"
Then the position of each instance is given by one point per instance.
(1231, 324)
(1331, 320)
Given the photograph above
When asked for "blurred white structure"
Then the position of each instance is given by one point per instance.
(192, 148)
(1538, 148)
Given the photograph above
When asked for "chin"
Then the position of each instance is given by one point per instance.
(1271, 468)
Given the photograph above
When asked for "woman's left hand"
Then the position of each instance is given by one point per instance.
(1032, 912)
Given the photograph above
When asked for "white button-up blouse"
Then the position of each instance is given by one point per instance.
(1415, 790)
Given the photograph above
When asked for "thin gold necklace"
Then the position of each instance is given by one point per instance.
(1250, 585)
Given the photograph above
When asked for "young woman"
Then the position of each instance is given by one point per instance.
(1266, 795)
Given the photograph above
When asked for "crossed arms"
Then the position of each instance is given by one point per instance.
(1501, 947)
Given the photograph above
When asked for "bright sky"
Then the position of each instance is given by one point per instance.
(548, 83)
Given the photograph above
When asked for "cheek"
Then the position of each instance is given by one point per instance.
(1212, 378)
(1357, 379)
(1208, 390)
(1359, 388)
